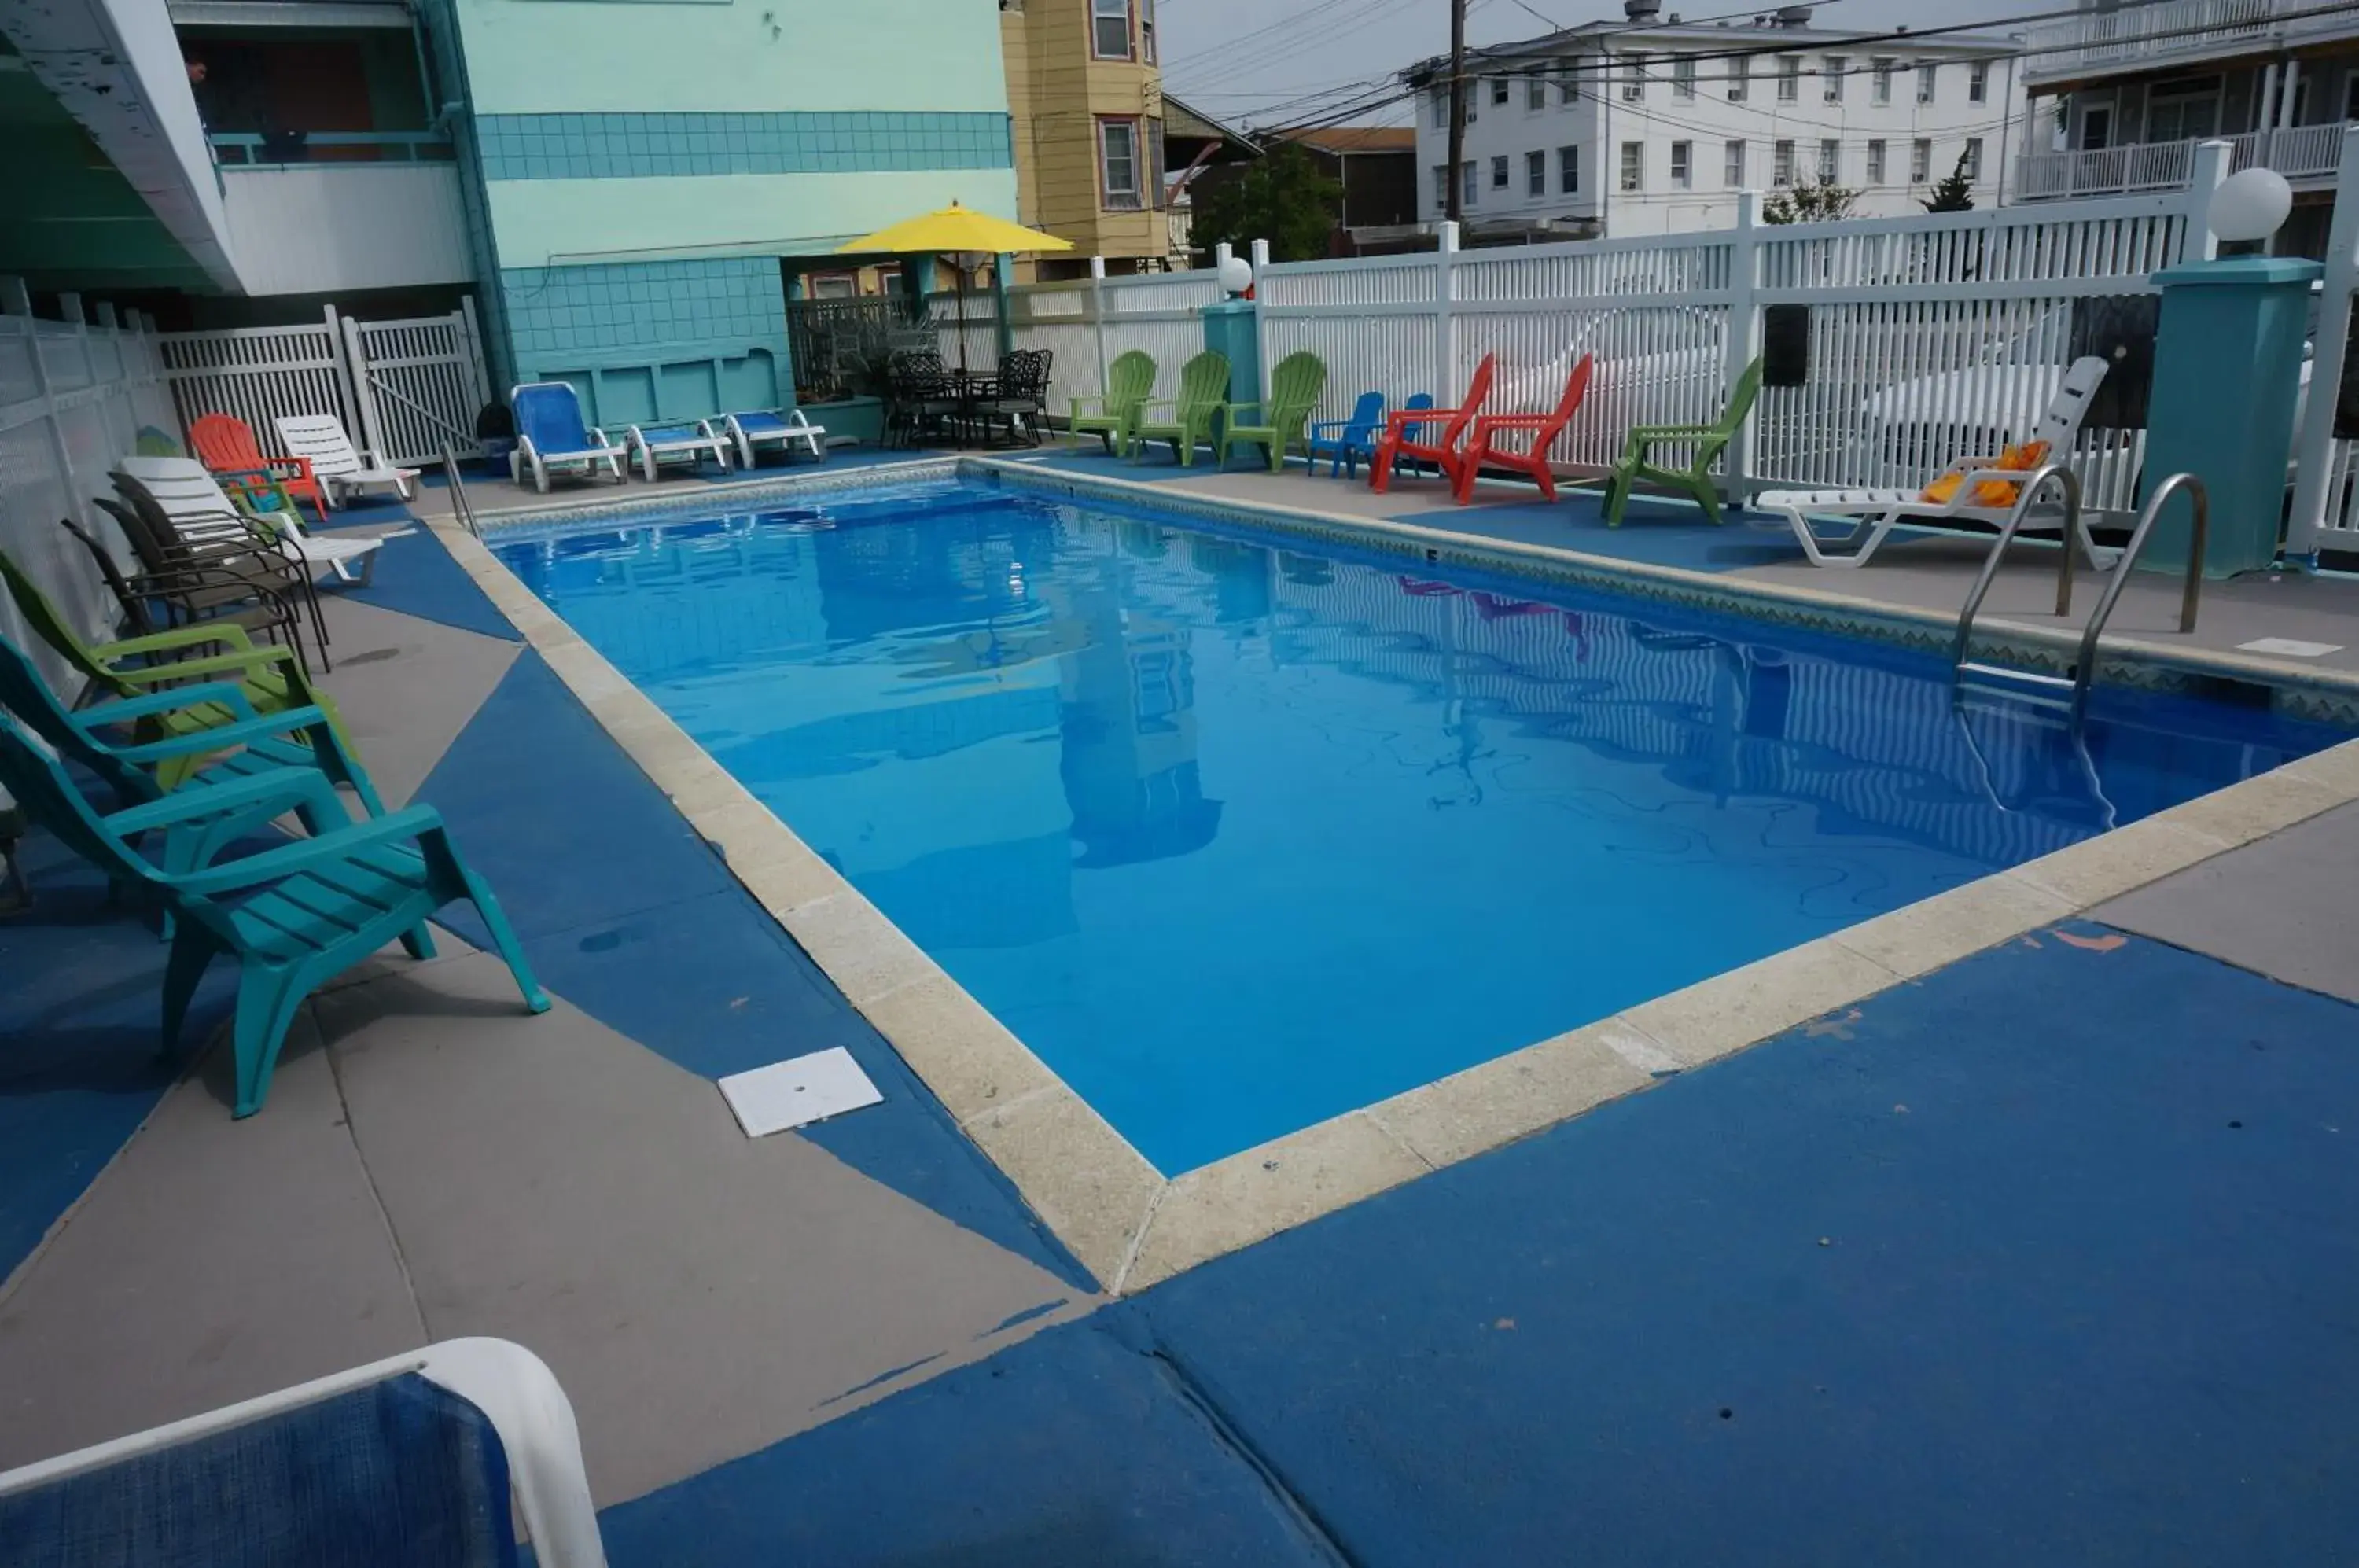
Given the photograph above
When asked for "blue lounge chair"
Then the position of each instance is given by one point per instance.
(423, 1457)
(686, 445)
(551, 436)
(764, 427)
(1343, 443)
(302, 914)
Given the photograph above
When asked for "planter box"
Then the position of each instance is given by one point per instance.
(862, 419)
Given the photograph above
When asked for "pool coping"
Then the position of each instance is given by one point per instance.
(1130, 1226)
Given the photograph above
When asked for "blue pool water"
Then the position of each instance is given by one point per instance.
(1239, 833)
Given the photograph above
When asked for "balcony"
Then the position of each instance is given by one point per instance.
(2304, 153)
(342, 211)
(2134, 39)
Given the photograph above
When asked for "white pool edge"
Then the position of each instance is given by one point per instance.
(1129, 1225)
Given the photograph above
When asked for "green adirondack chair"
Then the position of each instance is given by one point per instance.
(1130, 381)
(271, 676)
(303, 913)
(1707, 441)
(298, 737)
(1204, 391)
(1294, 387)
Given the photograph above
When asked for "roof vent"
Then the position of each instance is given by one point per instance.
(1793, 15)
(1641, 10)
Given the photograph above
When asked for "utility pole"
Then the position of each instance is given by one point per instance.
(1452, 180)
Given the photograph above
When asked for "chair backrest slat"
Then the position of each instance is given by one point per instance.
(550, 414)
(2060, 427)
(319, 439)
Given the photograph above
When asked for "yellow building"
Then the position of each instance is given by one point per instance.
(1086, 101)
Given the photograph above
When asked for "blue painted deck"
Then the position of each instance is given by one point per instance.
(2045, 1259)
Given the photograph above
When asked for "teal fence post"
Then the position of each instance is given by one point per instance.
(2227, 374)
(1231, 330)
(1004, 329)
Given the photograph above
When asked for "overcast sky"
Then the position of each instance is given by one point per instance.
(1246, 61)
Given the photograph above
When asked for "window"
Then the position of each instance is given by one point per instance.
(1876, 163)
(1119, 182)
(1466, 183)
(1920, 161)
(1146, 32)
(1739, 69)
(1830, 160)
(2189, 110)
(1633, 165)
(1441, 187)
(1535, 93)
(1441, 108)
(1498, 90)
(1781, 164)
(1498, 174)
(1682, 165)
(1789, 78)
(1633, 79)
(1925, 74)
(1978, 82)
(1535, 174)
(1832, 71)
(1883, 92)
(1684, 76)
(1568, 81)
(1110, 29)
(1731, 165)
(2096, 128)
(834, 285)
(890, 281)
(1568, 170)
(1972, 162)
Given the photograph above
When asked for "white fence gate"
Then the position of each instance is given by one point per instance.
(1929, 338)
(73, 395)
(405, 389)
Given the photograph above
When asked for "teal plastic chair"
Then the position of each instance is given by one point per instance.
(295, 918)
(143, 772)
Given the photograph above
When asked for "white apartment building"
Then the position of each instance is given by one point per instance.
(1652, 127)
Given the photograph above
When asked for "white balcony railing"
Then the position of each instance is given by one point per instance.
(2155, 33)
(2305, 152)
(328, 228)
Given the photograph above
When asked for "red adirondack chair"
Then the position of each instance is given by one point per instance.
(1443, 453)
(1482, 448)
(225, 444)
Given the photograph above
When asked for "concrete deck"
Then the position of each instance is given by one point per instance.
(2038, 1257)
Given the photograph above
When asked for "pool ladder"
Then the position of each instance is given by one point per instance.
(460, 508)
(2075, 685)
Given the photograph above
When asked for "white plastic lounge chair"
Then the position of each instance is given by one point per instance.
(551, 438)
(394, 1452)
(652, 446)
(202, 512)
(762, 426)
(340, 471)
(1878, 512)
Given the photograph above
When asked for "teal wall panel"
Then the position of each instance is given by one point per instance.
(627, 146)
(654, 340)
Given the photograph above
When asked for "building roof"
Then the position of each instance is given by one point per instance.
(1182, 122)
(1764, 33)
(1356, 138)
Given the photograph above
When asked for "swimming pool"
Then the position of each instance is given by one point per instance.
(1238, 834)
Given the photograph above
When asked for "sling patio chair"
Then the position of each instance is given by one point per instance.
(202, 512)
(553, 439)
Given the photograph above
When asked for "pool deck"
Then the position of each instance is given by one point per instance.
(2039, 1253)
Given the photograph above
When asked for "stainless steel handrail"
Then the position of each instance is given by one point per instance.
(461, 507)
(2084, 668)
(2070, 541)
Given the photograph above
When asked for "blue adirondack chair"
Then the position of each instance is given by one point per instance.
(302, 914)
(139, 772)
(1343, 443)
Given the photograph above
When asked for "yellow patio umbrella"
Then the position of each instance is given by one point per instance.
(960, 231)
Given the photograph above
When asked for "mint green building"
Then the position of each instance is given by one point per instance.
(640, 175)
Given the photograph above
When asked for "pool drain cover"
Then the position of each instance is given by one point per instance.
(799, 1091)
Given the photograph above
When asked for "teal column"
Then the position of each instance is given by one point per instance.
(2227, 373)
(1229, 330)
(1006, 329)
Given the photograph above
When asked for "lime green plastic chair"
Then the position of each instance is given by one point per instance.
(272, 677)
(153, 443)
(302, 914)
(1295, 385)
(1203, 392)
(298, 737)
(1707, 443)
(1130, 381)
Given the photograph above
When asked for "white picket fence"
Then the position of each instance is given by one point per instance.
(1929, 337)
(405, 389)
(2325, 513)
(74, 392)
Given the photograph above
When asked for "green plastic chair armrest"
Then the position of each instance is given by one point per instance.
(411, 823)
(221, 737)
(260, 658)
(177, 638)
